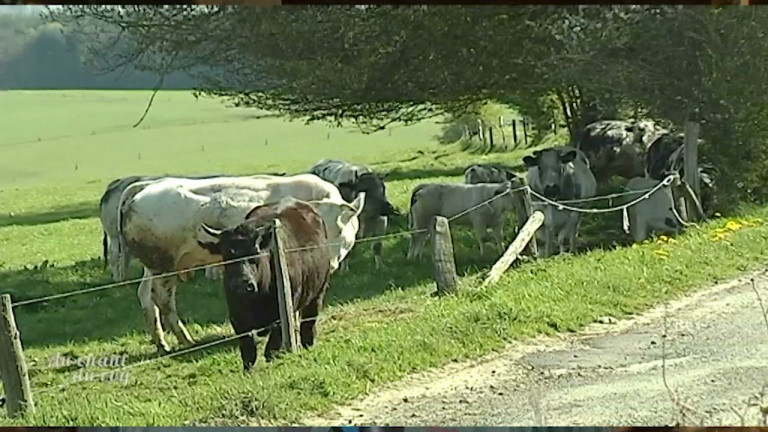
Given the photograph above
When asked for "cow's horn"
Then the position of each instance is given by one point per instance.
(213, 232)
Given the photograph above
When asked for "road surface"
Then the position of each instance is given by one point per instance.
(715, 356)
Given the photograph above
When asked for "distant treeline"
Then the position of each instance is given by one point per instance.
(34, 55)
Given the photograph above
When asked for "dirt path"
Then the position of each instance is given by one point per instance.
(716, 356)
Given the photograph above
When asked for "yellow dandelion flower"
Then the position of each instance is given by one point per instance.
(663, 238)
(733, 225)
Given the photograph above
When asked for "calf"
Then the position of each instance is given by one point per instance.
(489, 173)
(250, 284)
(450, 200)
(353, 180)
(558, 174)
(159, 225)
(654, 214)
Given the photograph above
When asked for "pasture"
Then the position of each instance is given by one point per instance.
(60, 149)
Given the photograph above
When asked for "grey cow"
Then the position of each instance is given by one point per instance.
(559, 173)
(449, 200)
(355, 179)
(489, 173)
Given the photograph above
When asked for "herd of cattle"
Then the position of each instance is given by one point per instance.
(173, 225)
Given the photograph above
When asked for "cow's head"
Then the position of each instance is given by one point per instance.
(550, 164)
(244, 250)
(341, 225)
(372, 185)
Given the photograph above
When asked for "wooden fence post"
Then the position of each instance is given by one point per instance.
(514, 131)
(481, 130)
(490, 137)
(690, 162)
(288, 327)
(442, 256)
(525, 132)
(532, 246)
(13, 368)
(524, 237)
(501, 129)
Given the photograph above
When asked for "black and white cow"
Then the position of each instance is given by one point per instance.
(355, 179)
(617, 147)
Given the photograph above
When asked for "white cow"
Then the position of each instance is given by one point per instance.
(109, 205)
(160, 225)
(559, 173)
(652, 214)
(450, 200)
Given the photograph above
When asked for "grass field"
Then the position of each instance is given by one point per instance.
(378, 325)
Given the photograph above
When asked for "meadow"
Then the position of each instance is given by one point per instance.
(59, 150)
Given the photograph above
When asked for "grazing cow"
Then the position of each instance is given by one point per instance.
(109, 204)
(559, 173)
(654, 214)
(489, 173)
(250, 284)
(353, 180)
(159, 225)
(616, 147)
(666, 156)
(449, 200)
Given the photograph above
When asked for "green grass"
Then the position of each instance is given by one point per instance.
(378, 326)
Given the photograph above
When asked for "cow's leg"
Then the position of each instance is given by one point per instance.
(309, 317)
(498, 236)
(165, 294)
(113, 254)
(274, 343)
(378, 228)
(480, 233)
(574, 220)
(417, 243)
(151, 312)
(247, 344)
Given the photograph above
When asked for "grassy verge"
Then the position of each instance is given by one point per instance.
(381, 339)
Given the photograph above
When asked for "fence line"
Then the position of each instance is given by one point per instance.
(666, 182)
(647, 193)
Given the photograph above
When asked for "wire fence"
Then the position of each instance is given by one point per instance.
(561, 205)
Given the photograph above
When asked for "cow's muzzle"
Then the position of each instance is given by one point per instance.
(551, 191)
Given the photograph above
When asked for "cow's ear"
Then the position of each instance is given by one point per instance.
(209, 239)
(531, 160)
(568, 156)
(510, 176)
(358, 203)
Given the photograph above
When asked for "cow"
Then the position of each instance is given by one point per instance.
(116, 259)
(489, 173)
(482, 205)
(666, 156)
(617, 147)
(159, 225)
(559, 173)
(250, 282)
(654, 214)
(351, 181)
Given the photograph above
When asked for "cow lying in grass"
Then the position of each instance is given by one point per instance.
(251, 284)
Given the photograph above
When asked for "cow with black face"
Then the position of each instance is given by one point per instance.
(558, 174)
(250, 282)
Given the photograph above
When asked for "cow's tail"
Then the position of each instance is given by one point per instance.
(105, 248)
(416, 191)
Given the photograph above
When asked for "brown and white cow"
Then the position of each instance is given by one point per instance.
(160, 226)
(250, 284)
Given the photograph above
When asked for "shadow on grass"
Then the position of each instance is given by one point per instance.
(79, 210)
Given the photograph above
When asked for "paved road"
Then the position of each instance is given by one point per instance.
(715, 357)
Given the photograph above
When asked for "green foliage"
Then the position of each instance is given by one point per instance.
(380, 65)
